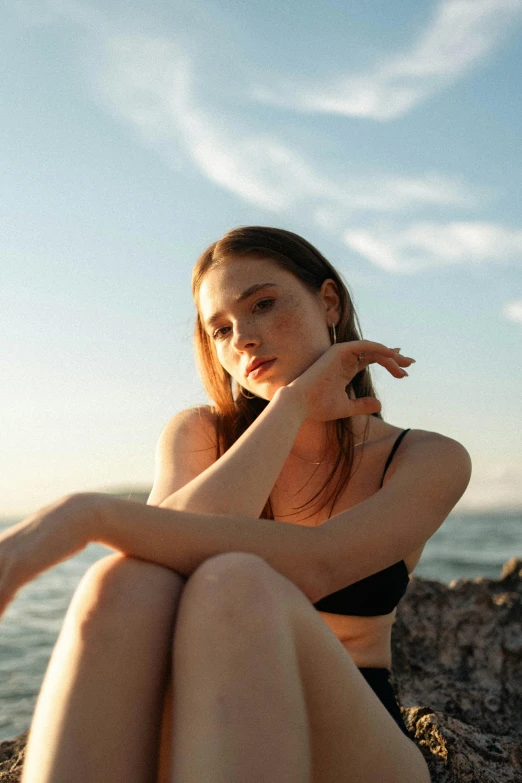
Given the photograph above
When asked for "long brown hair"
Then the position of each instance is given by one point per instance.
(234, 412)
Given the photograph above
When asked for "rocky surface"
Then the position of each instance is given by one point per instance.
(457, 659)
(11, 758)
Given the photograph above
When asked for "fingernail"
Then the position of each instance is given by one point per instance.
(397, 350)
(404, 372)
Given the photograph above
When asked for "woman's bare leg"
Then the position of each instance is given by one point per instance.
(234, 658)
(264, 691)
(99, 712)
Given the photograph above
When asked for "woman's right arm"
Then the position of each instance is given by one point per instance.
(189, 478)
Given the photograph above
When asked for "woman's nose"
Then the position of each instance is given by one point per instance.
(244, 337)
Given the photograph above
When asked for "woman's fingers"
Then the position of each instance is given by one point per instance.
(364, 406)
(45, 538)
(395, 367)
(321, 385)
(365, 352)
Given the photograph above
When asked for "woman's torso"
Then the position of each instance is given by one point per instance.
(367, 639)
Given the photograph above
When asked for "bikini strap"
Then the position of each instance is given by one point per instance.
(392, 452)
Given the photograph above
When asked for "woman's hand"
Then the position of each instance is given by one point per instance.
(321, 390)
(52, 534)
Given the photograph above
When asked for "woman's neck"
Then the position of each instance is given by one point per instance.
(314, 438)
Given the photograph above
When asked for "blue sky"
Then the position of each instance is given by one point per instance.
(134, 134)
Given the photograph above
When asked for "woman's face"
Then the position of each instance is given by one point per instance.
(266, 325)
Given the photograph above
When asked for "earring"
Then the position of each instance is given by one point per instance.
(334, 335)
(246, 396)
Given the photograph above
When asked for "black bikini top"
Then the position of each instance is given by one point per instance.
(377, 594)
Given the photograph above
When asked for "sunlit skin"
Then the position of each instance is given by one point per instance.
(287, 704)
(283, 319)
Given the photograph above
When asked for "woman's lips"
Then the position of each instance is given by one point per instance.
(260, 369)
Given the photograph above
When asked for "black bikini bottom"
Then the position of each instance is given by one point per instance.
(379, 682)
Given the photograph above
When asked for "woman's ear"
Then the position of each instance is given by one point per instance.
(329, 295)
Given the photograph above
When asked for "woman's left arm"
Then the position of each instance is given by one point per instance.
(179, 540)
(423, 484)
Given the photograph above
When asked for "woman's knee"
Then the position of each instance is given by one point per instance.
(117, 586)
(232, 583)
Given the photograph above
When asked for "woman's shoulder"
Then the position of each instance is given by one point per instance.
(428, 447)
(200, 414)
(412, 443)
(431, 472)
(196, 426)
(186, 447)
(435, 439)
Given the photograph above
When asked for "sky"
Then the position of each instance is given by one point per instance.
(135, 134)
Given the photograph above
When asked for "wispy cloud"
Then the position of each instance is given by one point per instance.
(513, 311)
(428, 244)
(150, 83)
(460, 34)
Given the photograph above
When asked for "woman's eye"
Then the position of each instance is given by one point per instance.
(264, 304)
(220, 332)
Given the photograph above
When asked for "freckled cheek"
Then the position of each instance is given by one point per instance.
(288, 325)
(301, 337)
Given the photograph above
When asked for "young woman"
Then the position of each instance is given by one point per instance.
(241, 632)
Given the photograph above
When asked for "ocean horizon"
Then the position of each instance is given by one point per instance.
(468, 545)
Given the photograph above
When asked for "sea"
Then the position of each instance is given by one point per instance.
(466, 546)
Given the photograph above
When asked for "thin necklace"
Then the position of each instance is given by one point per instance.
(307, 462)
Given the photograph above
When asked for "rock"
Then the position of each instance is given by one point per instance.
(11, 758)
(457, 669)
